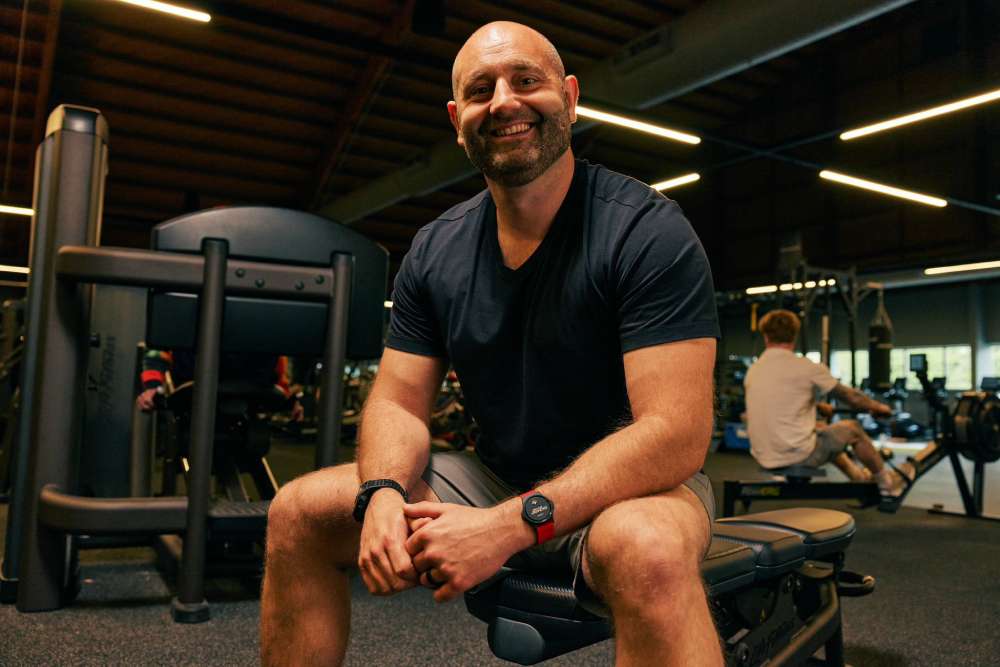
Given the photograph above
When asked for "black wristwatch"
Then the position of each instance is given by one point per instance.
(366, 491)
(538, 511)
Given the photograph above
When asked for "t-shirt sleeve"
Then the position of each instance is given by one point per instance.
(822, 379)
(412, 325)
(664, 288)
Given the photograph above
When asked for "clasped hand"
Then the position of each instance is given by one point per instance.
(446, 547)
(456, 547)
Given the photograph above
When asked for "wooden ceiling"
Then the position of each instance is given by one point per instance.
(297, 103)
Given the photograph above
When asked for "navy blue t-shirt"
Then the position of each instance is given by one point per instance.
(538, 350)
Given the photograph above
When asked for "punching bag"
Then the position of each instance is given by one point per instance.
(880, 348)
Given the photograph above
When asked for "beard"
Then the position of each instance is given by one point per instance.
(521, 163)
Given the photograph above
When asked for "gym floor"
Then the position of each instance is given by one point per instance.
(933, 571)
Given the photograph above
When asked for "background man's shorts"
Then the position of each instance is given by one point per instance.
(461, 478)
(830, 442)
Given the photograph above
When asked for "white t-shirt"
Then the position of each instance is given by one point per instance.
(781, 391)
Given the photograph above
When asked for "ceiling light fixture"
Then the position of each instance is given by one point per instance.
(614, 119)
(387, 304)
(8, 268)
(957, 268)
(883, 189)
(168, 8)
(674, 182)
(763, 289)
(918, 116)
(16, 210)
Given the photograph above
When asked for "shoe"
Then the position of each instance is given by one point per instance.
(902, 481)
(902, 478)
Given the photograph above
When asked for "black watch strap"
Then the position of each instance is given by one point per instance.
(370, 487)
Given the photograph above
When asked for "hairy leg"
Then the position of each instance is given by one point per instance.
(312, 543)
(862, 445)
(643, 557)
(852, 470)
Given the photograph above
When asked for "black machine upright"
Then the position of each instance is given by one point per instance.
(251, 279)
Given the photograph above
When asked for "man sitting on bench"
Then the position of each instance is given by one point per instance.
(577, 307)
(781, 392)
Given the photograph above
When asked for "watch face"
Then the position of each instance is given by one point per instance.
(537, 509)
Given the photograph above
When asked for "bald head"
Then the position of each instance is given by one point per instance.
(497, 37)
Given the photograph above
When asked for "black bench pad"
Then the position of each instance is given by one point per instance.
(823, 531)
(775, 551)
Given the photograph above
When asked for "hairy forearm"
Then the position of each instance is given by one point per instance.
(651, 455)
(393, 443)
(855, 398)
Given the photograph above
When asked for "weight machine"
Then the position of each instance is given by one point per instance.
(972, 430)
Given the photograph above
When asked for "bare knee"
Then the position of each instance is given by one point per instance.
(639, 554)
(313, 512)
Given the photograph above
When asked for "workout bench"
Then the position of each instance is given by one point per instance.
(796, 485)
(773, 588)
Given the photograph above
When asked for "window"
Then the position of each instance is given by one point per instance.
(814, 356)
(995, 357)
(840, 365)
(953, 362)
(958, 367)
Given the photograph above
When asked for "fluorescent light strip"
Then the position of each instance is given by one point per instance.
(615, 119)
(788, 287)
(8, 268)
(674, 182)
(957, 268)
(387, 304)
(167, 8)
(883, 189)
(918, 116)
(16, 210)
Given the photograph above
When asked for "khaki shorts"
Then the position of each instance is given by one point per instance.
(461, 478)
(830, 442)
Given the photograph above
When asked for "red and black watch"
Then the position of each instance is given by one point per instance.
(537, 511)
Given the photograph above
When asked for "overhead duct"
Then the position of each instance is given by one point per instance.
(712, 42)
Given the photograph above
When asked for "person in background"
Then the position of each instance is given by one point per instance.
(781, 396)
(256, 370)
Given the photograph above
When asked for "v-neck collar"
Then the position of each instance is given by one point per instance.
(572, 206)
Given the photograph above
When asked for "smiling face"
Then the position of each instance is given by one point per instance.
(513, 103)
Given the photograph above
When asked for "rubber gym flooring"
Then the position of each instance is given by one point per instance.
(937, 602)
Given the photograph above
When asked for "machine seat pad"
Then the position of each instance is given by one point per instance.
(728, 565)
(774, 550)
(823, 531)
(796, 472)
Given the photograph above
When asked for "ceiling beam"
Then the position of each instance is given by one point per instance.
(238, 18)
(683, 55)
(364, 90)
(45, 78)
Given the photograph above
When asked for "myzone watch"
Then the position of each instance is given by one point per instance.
(537, 510)
(365, 495)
